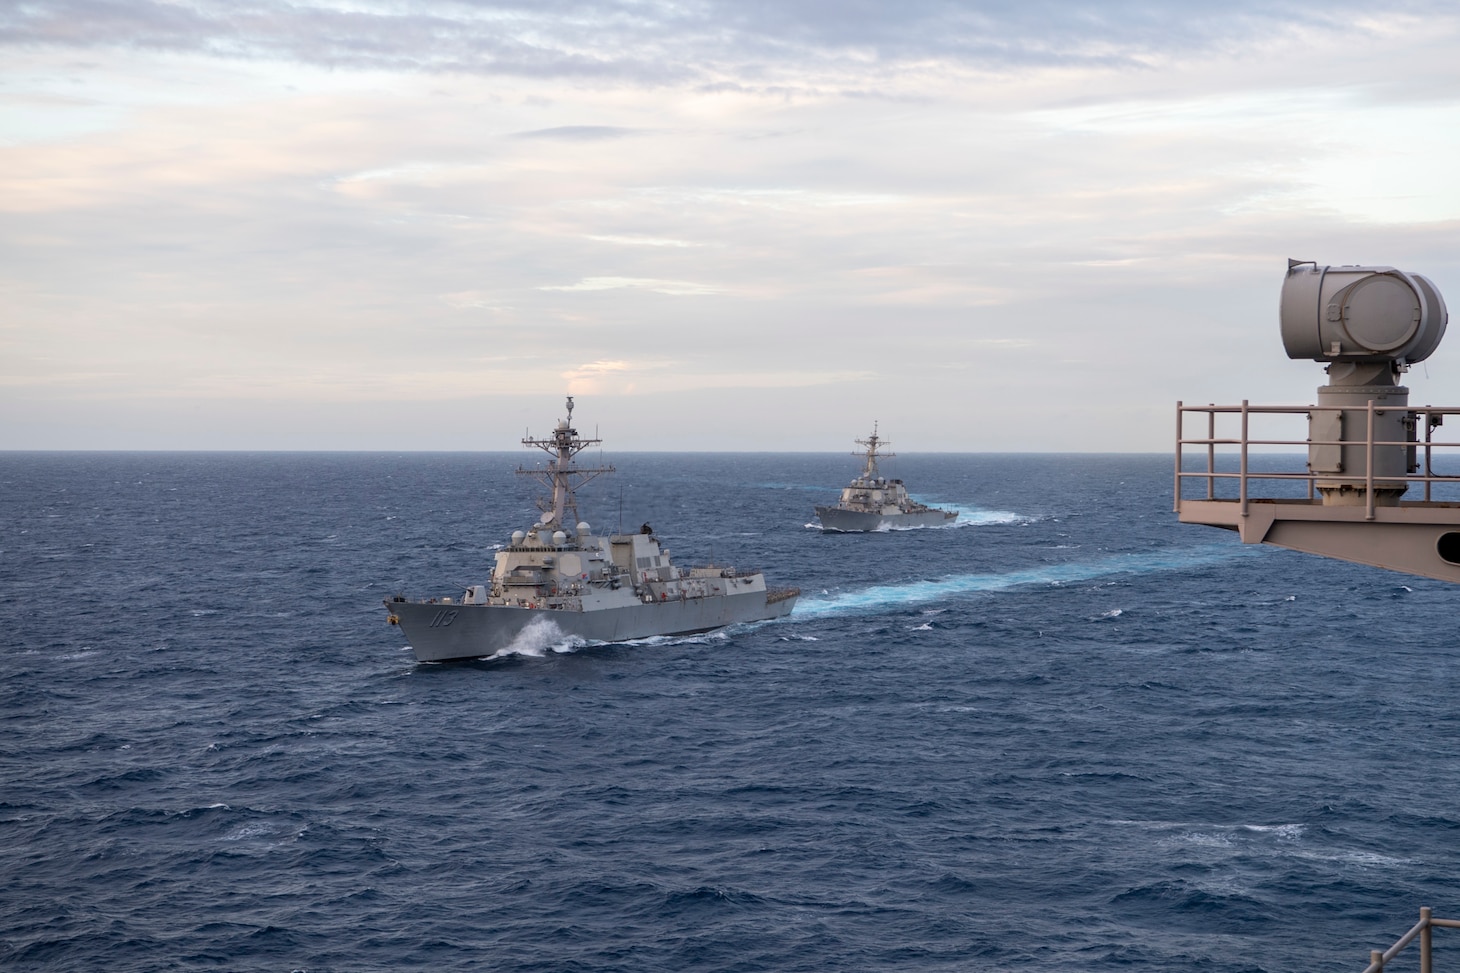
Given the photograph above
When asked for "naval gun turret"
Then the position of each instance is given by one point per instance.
(1374, 493)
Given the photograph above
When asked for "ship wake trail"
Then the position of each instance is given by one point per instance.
(698, 638)
(970, 516)
(916, 593)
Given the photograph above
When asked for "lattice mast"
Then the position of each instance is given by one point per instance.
(873, 444)
(562, 476)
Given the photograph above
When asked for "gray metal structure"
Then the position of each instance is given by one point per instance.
(573, 583)
(874, 502)
(1364, 448)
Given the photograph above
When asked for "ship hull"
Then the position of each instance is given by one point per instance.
(443, 632)
(851, 521)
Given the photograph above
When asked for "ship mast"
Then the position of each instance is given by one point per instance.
(872, 443)
(562, 476)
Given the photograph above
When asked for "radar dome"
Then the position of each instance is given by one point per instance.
(583, 527)
(559, 538)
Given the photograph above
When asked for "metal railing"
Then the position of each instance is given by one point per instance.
(1430, 417)
(1421, 930)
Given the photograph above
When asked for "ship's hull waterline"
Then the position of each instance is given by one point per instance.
(855, 521)
(440, 632)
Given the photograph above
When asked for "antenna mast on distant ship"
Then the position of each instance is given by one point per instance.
(561, 476)
(872, 443)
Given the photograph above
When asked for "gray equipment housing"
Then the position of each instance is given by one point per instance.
(1359, 314)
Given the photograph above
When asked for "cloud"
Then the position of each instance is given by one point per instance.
(756, 42)
(949, 209)
(474, 300)
(579, 133)
(639, 241)
(666, 376)
(678, 288)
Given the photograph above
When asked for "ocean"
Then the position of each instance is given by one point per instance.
(1067, 733)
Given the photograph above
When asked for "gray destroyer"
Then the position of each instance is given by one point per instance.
(561, 578)
(874, 502)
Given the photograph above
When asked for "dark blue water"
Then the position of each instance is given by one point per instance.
(1070, 734)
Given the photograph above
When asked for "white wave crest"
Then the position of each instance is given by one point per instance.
(978, 517)
(698, 638)
(1205, 838)
(539, 637)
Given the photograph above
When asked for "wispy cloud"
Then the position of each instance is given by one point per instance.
(660, 41)
(678, 288)
(475, 300)
(639, 241)
(579, 133)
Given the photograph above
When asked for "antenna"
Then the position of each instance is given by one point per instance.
(873, 444)
(561, 475)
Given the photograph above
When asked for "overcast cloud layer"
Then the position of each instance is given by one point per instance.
(663, 42)
(727, 225)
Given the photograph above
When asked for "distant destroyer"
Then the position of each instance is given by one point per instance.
(873, 502)
(607, 589)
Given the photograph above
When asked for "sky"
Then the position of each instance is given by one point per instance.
(719, 224)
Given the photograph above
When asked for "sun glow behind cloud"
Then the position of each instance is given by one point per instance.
(680, 287)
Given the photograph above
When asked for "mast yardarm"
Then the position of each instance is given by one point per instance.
(562, 476)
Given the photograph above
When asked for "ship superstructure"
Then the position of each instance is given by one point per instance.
(560, 575)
